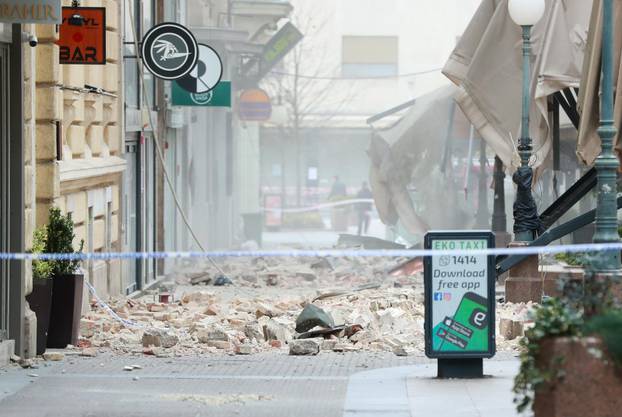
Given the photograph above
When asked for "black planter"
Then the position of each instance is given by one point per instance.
(66, 311)
(40, 301)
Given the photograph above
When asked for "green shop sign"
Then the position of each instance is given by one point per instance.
(219, 96)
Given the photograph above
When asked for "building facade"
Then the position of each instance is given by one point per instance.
(16, 201)
(69, 147)
(90, 139)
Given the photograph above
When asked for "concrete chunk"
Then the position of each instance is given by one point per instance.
(302, 347)
(159, 338)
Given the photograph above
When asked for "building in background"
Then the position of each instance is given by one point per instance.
(373, 58)
(212, 155)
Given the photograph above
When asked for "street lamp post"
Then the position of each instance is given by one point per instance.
(607, 163)
(525, 13)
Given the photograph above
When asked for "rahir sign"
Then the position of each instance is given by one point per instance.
(25, 11)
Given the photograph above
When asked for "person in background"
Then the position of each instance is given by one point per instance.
(363, 209)
(338, 190)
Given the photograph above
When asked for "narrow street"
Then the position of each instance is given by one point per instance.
(331, 384)
(223, 350)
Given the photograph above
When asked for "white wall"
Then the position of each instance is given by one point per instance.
(427, 31)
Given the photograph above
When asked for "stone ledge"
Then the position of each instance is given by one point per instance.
(81, 169)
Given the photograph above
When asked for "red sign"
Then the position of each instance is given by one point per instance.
(83, 36)
(254, 105)
(274, 216)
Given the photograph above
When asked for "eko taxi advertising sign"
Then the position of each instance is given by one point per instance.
(459, 296)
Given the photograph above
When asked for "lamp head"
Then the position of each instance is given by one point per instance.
(526, 12)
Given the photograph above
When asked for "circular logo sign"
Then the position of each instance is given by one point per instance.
(202, 98)
(169, 51)
(206, 74)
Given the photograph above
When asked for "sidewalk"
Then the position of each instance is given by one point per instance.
(488, 397)
(414, 391)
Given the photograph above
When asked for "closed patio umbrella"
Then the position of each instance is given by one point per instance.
(486, 65)
(588, 146)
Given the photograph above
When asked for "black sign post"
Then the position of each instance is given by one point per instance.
(459, 302)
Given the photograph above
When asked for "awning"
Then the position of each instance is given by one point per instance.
(588, 146)
(487, 66)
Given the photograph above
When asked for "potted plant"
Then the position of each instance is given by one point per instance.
(68, 282)
(571, 358)
(40, 299)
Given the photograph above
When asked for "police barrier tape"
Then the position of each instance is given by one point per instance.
(319, 206)
(330, 253)
(110, 311)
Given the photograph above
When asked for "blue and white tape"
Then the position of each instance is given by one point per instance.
(336, 253)
(110, 311)
(333, 204)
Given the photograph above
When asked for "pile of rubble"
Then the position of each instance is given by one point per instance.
(281, 307)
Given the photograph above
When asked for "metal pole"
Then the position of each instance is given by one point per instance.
(17, 287)
(526, 221)
(482, 216)
(607, 163)
(469, 163)
(525, 145)
(499, 219)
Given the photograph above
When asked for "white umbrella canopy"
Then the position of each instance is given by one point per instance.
(588, 146)
(487, 67)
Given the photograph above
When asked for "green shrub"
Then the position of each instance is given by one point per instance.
(60, 237)
(40, 269)
(608, 326)
(553, 318)
(572, 259)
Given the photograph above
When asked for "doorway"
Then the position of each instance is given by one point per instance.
(132, 218)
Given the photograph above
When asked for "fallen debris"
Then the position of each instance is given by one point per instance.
(304, 347)
(351, 305)
(53, 356)
(313, 316)
(510, 329)
(159, 338)
(89, 352)
(331, 294)
(222, 280)
(338, 332)
(203, 278)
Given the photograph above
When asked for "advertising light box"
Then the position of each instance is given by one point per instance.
(459, 296)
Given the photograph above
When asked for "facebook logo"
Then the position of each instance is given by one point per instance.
(442, 296)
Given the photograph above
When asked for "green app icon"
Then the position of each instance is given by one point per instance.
(467, 330)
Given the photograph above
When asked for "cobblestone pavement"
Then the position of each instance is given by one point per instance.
(259, 385)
